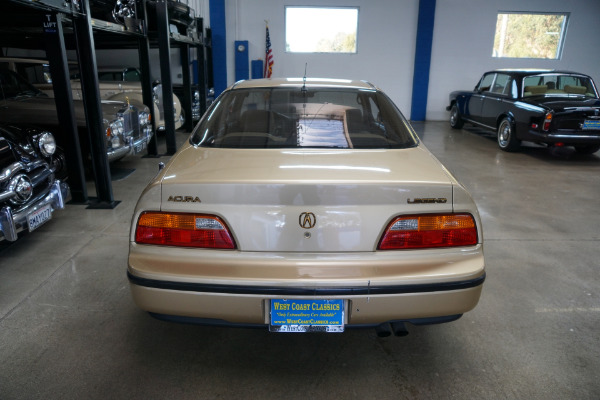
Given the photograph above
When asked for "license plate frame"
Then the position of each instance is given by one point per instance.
(39, 217)
(139, 147)
(300, 315)
(591, 125)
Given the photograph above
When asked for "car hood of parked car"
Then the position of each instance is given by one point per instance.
(42, 110)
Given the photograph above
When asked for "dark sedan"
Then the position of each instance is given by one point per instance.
(555, 108)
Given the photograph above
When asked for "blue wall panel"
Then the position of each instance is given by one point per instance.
(422, 60)
(219, 44)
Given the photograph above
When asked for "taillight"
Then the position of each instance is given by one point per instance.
(547, 121)
(182, 229)
(429, 231)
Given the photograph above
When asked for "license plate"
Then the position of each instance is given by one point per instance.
(39, 217)
(139, 147)
(307, 315)
(591, 124)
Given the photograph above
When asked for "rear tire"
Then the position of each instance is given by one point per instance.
(456, 121)
(507, 139)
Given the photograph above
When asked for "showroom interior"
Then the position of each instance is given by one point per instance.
(68, 325)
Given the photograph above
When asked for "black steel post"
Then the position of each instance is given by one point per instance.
(144, 57)
(164, 51)
(67, 136)
(91, 98)
(187, 86)
(202, 81)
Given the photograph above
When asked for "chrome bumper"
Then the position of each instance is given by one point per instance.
(573, 137)
(13, 223)
(132, 146)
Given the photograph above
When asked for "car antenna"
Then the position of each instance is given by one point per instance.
(304, 79)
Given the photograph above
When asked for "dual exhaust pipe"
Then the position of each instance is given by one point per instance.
(386, 329)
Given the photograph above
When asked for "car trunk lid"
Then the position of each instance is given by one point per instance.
(306, 200)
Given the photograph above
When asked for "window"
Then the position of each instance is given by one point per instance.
(291, 118)
(558, 85)
(521, 35)
(132, 75)
(486, 83)
(500, 85)
(321, 30)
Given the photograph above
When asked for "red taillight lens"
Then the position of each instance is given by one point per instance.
(185, 230)
(429, 231)
(547, 121)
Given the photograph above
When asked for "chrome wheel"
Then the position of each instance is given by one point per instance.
(506, 136)
(455, 120)
(504, 133)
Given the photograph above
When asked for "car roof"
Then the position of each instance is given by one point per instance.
(534, 71)
(23, 60)
(299, 82)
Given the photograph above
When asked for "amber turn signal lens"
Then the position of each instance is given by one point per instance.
(547, 121)
(429, 231)
(184, 230)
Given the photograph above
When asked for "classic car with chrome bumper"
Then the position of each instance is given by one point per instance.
(126, 123)
(29, 190)
(132, 146)
(548, 107)
(11, 223)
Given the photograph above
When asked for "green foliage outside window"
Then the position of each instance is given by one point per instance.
(521, 35)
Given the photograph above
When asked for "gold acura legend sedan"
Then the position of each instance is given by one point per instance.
(305, 205)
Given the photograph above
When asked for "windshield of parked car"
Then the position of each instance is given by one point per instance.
(12, 85)
(558, 85)
(314, 118)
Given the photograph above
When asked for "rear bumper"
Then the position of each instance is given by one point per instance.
(232, 287)
(239, 305)
(13, 223)
(566, 137)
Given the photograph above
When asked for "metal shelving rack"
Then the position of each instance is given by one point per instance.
(61, 24)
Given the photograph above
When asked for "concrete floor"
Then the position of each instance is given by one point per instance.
(69, 329)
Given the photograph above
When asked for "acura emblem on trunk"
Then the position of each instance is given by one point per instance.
(307, 220)
(184, 199)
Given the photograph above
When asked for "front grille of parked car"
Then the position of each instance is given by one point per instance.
(41, 178)
(131, 123)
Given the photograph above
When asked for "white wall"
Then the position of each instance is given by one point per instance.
(462, 43)
(386, 43)
(464, 35)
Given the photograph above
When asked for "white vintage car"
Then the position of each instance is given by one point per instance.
(305, 205)
(126, 89)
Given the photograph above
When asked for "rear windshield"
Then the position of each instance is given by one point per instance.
(292, 118)
(558, 85)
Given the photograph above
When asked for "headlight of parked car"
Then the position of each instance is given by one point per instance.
(144, 118)
(47, 144)
(115, 128)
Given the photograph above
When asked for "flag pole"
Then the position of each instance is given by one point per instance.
(268, 71)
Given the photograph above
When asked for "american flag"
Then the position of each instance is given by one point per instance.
(268, 57)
